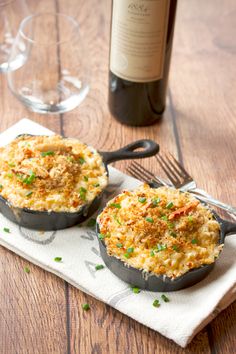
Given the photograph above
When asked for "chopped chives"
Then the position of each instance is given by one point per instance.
(156, 201)
(47, 153)
(171, 225)
(101, 236)
(86, 178)
(190, 218)
(175, 248)
(119, 245)
(173, 234)
(27, 270)
(91, 222)
(70, 158)
(96, 185)
(156, 303)
(9, 175)
(6, 230)
(115, 205)
(85, 307)
(194, 241)
(164, 217)
(117, 220)
(30, 179)
(99, 266)
(149, 219)
(28, 194)
(135, 289)
(165, 298)
(11, 164)
(152, 254)
(82, 193)
(169, 205)
(161, 247)
(1, 186)
(130, 250)
(142, 199)
(81, 160)
(127, 255)
(58, 259)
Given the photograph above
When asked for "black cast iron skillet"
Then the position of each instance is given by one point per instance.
(160, 283)
(46, 221)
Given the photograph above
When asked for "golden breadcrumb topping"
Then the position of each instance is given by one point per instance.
(50, 173)
(162, 231)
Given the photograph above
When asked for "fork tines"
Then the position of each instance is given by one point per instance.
(173, 169)
(138, 171)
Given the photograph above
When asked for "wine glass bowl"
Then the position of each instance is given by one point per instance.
(53, 77)
(12, 13)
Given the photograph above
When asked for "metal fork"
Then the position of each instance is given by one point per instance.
(179, 178)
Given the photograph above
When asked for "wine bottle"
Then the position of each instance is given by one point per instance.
(140, 52)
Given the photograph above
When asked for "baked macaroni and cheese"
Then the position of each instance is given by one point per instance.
(162, 231)
(50, 173)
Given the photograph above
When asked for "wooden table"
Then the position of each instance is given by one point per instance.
(40, 313)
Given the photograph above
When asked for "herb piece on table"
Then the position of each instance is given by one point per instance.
(85, 307)
(58, 259)
(27, 270)
(99, 266)
(135, 289)
(165, 298)
(5, 229)
(156, 303)
(91, 222)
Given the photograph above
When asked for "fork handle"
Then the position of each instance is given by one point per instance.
(209, 199)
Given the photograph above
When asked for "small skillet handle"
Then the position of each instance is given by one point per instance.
(229, 228)
(128, 152)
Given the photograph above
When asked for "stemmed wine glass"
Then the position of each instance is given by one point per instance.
(53, 74)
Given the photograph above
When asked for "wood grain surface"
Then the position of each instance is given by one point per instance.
(40, 313)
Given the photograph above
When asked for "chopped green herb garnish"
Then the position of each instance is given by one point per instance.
(99, 266)
(127, 255)
(161, 247)
(71, 159)
(91, 222)
(152, 254)
(171, 225)
(9, 175)
(58, 259)
(1, 186)
(155, 202)
(164, 217)
(7, 230)
(194, 241)
(115, 205)
(165, 298)
(142, 199)
(47, 153)
(169, 205)
(82, 193)
(81, 160)
(86, 178)
(11, 164)
(173, 234)
(101, 236)
(96, 185)
(130, 250)
(149, 219)
(27, 270)
(30, 179)
(117, 220)
(119, 245)
(156, 303)
(28, 194)
(190, 218)
(175, 248)
(85, 307)
(135, 289)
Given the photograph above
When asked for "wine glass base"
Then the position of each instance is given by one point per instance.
(54, 108)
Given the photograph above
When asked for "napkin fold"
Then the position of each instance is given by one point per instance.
(180, 319)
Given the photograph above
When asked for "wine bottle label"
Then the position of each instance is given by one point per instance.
(138, 39)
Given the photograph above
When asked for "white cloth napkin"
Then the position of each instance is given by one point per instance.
(180, 319)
